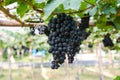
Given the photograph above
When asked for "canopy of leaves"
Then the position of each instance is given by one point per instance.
(105, 13)
(100, 10)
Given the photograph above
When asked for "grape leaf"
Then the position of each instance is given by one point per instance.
(66, 4)
(7, 2)
(116, 22)
(40, 1)
(51, 6)
(75, 4)
(39, 5)
(109, 10)
(93, 11)
(59, 9)
(83, 5)
(72, 4)
(91, 1)
(118, 1)
(22, 8)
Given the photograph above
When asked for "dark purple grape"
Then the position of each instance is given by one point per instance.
(107, 41)
(65, 38)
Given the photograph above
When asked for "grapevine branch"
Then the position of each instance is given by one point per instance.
(13, 23)
(16, 22)
(33, 6)
(6, 11)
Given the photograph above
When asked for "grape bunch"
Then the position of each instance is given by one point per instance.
(107, 41)
(60, 29)
(65, 38)
(90, 45)
(24, 48)
(118, 40)
(32, 31)
(43, 30)
(84, 22)
(74, 44)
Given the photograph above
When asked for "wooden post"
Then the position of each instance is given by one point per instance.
(1, 61)
(32, 66)
(9, 61)
(81, 65)
(100, 66)
(77, 67)
(18, 56)
(32, 63)
(43, 70)
(67, 73)
(119, 57)
(111, 58)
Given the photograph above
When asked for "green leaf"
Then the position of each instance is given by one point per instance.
(72, 4)
(22, 8)
(31, 1)
(91, 1)
(116, 22)
(51, 6)
(83, 5)
(98, 1)
(59, 9)
(109, 10)
(118, 1)
(39, 5)
(75, 4)
(40, 1)
(117, 78)
(66, 4)
(101, 21)
(117, 48)
(7, 2)
(93, 11)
